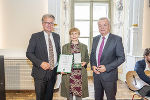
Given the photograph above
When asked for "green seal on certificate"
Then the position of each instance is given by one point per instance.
(77, 61)
(77, 66)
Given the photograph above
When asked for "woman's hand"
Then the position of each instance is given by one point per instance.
(83, 63)
(63, 73)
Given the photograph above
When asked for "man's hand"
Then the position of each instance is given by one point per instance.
(95, 69)
(45, 65)
(102, 68)
(83, 63)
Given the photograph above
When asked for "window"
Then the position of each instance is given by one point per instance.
(86, 15)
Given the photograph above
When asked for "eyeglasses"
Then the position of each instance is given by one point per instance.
(49, 23)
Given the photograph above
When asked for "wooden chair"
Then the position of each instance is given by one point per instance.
(134, 83)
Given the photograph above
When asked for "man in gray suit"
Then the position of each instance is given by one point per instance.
(43, 51)
(106, 55)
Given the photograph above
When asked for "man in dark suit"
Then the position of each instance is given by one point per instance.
(43, 51)
(142, 65)
(106, 55)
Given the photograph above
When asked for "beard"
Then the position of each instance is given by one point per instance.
(148, 61)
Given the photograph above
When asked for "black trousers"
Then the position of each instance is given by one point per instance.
(100, 86)
(44, 88)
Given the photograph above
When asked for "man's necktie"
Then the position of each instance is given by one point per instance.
(100, 51)
(51, 53)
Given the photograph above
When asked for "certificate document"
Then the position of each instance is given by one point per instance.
(65, 63)
(77, 60)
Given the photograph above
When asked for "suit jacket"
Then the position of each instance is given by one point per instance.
(65, 84)
(112, 56)
(139, 68)
(37, 53)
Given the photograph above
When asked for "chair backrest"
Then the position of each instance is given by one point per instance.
(134, 82)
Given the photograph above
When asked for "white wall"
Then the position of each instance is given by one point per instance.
(146, 28)
(1, 24)
(18, 20)
(21, 18)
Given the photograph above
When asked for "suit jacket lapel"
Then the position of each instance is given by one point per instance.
(144, 63)
(43, 44)
(69, 48)
(96, 42)
(56, 44)
(108, 42)
(80, 47)
(55, 41)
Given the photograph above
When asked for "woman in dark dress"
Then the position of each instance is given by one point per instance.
(75, 83)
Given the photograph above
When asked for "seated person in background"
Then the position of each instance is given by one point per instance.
(140, 67)
(143, 65)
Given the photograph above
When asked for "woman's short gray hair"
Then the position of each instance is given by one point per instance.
(48, 16)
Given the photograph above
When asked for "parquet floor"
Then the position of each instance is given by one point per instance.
(123, 93)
